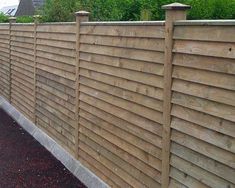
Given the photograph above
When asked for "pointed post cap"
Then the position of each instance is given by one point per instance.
(176, 6)
(12, 18)
(82, 13)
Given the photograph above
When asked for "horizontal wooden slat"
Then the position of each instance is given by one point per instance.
(54, 28)
(148, 159)
(185, 179)
(128, 127)
(24, 28)
(212, 137)
(152, 115)
(204, 148)
(213, 49)
(56, 71)
(148, 79)
(127, 31)
(223, 65)
(94, 163)
(206, 92)
(134, 43)
(144, 55)
(205, 33)
(57, 57)
(56, 43)
(56, 92)
(136, 65)
(124, 94)
(124, 83)
(56, 50)
(123, 114)
(212, 108)
(57, 36)
(214, 123)
(198, 173)
(56, 64)
(204, 162)
(127, 137)
(225, 81)
(105, 160)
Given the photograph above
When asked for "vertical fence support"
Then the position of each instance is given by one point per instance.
(11, 21)
(36, 21)
(81, 16)
(174, 11)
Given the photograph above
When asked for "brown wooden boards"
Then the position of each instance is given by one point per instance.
(5, 61)
(55, 82)
(121, 80)
(203, 106)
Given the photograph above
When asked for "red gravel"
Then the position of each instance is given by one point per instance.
(25, 163)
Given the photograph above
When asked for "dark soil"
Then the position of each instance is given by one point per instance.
(25, 163)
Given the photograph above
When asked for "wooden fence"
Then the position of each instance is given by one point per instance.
(141, 104)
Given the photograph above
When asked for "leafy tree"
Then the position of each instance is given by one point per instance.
(3, 18)
(125, 10)
(24, 19)
(59, 10)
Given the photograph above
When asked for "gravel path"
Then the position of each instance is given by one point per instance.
(25, 163)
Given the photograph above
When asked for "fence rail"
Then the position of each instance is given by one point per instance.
(141, 104)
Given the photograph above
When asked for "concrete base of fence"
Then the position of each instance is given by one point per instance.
(73, 165)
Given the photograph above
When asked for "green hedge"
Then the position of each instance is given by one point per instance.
(127, 10)
(107, 10)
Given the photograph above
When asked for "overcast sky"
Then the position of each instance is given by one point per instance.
(4, 3)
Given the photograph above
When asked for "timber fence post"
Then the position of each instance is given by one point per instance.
(11, 21)
(36, 21)
(81, 16)
(174, 11)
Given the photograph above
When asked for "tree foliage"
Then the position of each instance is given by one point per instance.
(3, 18)
(120, 10)
(128, 10)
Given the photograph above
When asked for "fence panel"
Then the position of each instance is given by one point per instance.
(203, 122)
(55, 82)
(121, 86)
(22, 68)
(5, 61)
(107, 93)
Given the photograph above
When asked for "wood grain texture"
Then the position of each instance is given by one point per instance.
(139, 105)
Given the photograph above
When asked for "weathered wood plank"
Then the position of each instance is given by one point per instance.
(212, 137)
(127, 31)
(148, 79)
(211, 122)
(185, 179)
(205, 92)
(214, 64)
(130, 85)
(124, 42)
(205, 33)
(144, 55)
(214, 49)
(123, 114)
(225, 81)
(204, 148)
(142, 111)
(91, 129)
(124, 94)
(53, 28)
(128, 127)
(130, 64)
(212, 108)
(204, 162)
(198, 173)
(125, 136)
